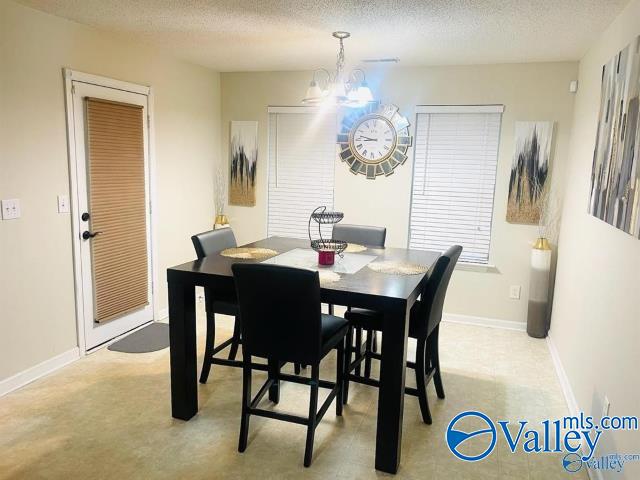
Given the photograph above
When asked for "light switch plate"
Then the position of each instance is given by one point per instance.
(514, 292)
(10, 208)
(63, 204)
(605, 406)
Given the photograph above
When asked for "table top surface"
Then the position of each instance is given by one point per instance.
(365, 281)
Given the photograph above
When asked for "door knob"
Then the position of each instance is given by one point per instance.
(87, 234)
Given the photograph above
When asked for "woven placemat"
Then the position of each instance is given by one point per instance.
(254, 253)
(355, 248)
(327, 276)
(397, 268)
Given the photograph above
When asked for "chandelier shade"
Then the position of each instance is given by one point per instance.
(314, 94)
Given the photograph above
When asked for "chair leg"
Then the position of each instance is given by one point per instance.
(233, 351)
(208, 348)
(246, 401)
(313, 407)
(358, 348)
(420, 377)
(368, 350)
(330, 305)
(347, 363)
(340, 367)
(274, 372)
(374, 346)
(435, 362)
(296, 368)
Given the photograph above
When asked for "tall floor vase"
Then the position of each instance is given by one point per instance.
(537, 315)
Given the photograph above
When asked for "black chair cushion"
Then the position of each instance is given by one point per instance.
(225, 307)
(364, 318)
(222, 301)
(372, 320)
(333, 330)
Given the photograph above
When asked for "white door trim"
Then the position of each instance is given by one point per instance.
(70, 76)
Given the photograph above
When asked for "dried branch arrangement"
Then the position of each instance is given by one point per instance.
(220, 193)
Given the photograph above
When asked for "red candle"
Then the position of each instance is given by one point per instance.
(326, 257)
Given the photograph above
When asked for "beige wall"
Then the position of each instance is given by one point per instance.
(596, 315)
(528, 91)
(37, 316)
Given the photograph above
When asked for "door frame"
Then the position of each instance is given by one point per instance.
(69, 77)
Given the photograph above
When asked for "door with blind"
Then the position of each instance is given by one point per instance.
(113, 210)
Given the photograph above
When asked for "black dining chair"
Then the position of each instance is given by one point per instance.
(282, 322)
(219, 301)
(424, 326)
(367, 236)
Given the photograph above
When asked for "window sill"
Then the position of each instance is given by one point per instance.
(477, 267)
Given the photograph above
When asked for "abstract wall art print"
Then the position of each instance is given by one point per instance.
(615, 176)
(529, 171)
(243, 152)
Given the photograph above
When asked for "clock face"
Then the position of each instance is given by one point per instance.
(373, 139)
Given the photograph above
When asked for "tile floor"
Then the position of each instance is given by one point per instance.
(107, 416)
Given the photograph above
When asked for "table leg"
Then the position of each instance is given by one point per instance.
(391, 391)
(182, 345)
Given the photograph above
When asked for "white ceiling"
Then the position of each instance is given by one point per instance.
(243, 35)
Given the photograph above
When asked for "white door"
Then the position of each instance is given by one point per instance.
(116, 267)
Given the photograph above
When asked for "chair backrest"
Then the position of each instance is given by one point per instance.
(435, 289)
(360, 234)
(213, 241)
(280, 312)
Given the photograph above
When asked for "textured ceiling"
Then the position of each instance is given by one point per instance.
(241, 35)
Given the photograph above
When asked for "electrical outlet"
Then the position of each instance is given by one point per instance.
(514, 292)
(199, 295)
(63, 204)
(10, 209)
(605, 406)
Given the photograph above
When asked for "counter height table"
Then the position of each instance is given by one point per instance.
(393, 295)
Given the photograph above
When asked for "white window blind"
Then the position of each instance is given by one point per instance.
(302, 155)
(456, 156)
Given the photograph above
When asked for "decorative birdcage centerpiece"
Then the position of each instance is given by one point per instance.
(326, 248)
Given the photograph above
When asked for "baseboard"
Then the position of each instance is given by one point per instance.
(484, 322)
(569, 397)
(38, 371)
(563, 378)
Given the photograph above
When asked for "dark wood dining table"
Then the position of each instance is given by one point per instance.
(393, 295)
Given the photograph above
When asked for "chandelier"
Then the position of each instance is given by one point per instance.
(349, 90)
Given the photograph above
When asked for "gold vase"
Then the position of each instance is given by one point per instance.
(220, 220)
(542, 244)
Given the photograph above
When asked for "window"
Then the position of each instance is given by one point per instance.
(454, 176)
(302, 155)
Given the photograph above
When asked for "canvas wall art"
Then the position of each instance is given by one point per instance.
(243, 152)
(529, 171)
(615, 176)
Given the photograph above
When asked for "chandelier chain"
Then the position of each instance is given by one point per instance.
(340, 60)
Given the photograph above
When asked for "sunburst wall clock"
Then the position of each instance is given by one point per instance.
(374, 140)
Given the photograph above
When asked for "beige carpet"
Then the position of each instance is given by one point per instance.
(107, 416)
